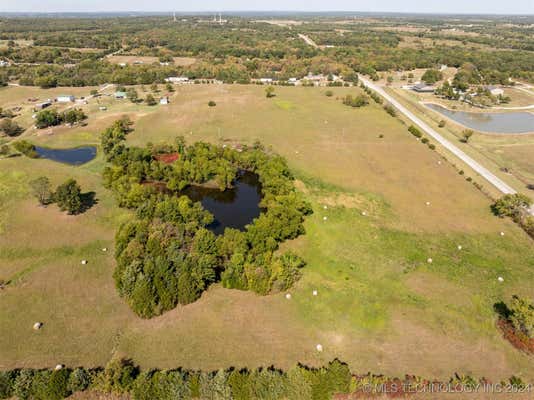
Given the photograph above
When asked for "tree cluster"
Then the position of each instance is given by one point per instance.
(67, 196)
(167, 255)
(47, 118)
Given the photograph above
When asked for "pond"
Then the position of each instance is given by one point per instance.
(512, 122)
(73, 156)
(232, 208)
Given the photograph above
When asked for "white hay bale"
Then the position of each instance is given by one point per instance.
(315, 293)
(364, 213)
(325, 207)
(502, 233)
(427, 203)
(500, 279)
(325, 218)
(84, 262)
(58, 367)
(319, 348)
(296, 152)
(439, 162)
(288, 296)
(459, 247)
(429, 260)
(37, 326)
(104, 249)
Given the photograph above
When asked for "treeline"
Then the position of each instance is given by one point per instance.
(167, 255)
(121, 377)
(239, 51)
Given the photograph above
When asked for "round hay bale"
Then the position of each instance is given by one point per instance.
(37, 326)
(104, 249)
(315, 293)
(459, 247)
(84, 262)
(58, 367)
(500, 279)
(325, 218)
(502, 233)
(325, 207)
(288, 296)
(364, 213)
(427, 203)
(319, 348)
(429, 260)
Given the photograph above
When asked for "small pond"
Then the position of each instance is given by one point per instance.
(232, 208)
(512, 122)
(74, 156)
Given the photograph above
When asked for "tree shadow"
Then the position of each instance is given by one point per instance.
(88, 201)
(502, 309)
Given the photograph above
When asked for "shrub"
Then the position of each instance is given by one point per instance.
(442, 123)
(22, 387)
(432, 146)
(511, 204)
(150, 100)
(7, 383)
(10, 128)
(415, 131)
(329, 93)
(118, 376)
(521, 315)
(424, 140)
(358, 101)
(466, 135)
(269, 92)
(79, 380)
(25, 148)
(390, 110)
(211, 103)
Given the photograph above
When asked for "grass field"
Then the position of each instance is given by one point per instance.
(496, 152)
(381, 306)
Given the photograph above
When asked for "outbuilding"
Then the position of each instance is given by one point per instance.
(65, 98)
(424, 88)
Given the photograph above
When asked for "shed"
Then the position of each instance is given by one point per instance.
(65, 98)
(424, 88)
(120, 95)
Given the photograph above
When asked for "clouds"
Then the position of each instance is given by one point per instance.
(430, 6)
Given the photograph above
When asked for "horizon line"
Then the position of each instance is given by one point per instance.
(196, 12)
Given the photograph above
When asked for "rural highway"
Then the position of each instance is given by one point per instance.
(485, 173)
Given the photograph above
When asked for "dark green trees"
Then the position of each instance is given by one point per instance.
(68, 197)
(166, 256)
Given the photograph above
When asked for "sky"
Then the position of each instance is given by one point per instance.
(422, 6)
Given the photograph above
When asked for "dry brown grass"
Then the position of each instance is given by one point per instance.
(118, 59)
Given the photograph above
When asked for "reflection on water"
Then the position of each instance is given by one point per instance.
(232, 208)
(513, 122)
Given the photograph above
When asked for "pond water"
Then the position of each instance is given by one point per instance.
(74, 156)
(512, 122)
(232, 208)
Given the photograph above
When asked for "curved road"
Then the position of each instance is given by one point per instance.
(484, 172)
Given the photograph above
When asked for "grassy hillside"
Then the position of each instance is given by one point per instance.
(380, 306)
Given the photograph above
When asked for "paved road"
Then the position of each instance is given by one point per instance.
(495, 181)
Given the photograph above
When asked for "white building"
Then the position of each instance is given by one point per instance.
(164, 100)
(266, 80)
(177, 79)
(65, 98)
(494, 90)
